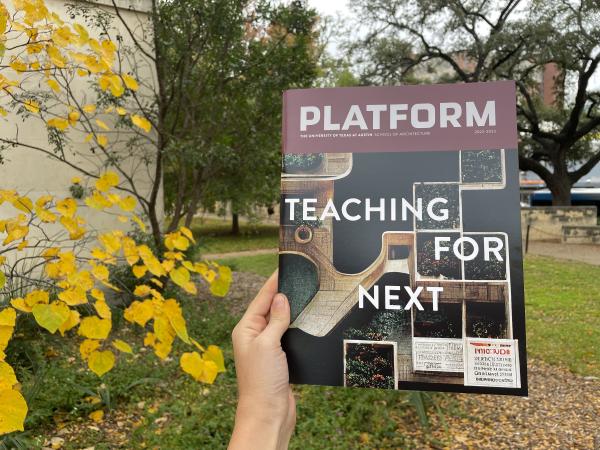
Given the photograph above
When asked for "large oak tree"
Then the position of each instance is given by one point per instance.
(467, 41)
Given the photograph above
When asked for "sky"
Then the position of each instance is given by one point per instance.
(330, 7)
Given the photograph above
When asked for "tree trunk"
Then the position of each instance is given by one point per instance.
(235, 224)
(561, 191)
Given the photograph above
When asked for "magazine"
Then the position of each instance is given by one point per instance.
(400, 238)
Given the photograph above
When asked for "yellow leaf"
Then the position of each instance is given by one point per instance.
(98, 201)
(107, 181)
(168, 264)
(214, 354)
(100, 272)
(16, 232)
(73, 296)
(87, 347)
(23, 204)
(18, 66)
(102, 140)
(98, 295)
(121, 111)
(220, 286)
(130, 82)
(73, 118)
(173, 312)
(51, 316)
(141, 122)
(130, 251)
(201, 370)
(111, 241)
(139, 270)
(102, 125)
(89, 108)
(45, 215)
(72, 226)
(76, 180)
(66, 207)
(180, 276)
(122, 346)
(128, 203)
(5, 335)
(142, 290)
(150, 261)
(72, 322)
(103, 309)
(187, 233)
(101, 362)
(53, 85)
(96, 416)
(94, 327)
(32, 106)
(37, 296)
(8, 317)
(58, 123)
(19, 303)
(13, 411)
(139, 312)
(163, 329)
(7, 376)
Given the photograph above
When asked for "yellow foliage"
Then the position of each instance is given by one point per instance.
(141, 122)
(51, 316)
(122, 346)
(74, 278)
(200, 369)
(97, 416)
(13, 411)
(101, 362)
(87, 347)
(93, 327)
(107, 181)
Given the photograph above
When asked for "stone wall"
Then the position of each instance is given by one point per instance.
(581, 234)
(546, 222)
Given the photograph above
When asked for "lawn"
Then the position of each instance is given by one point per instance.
(214, 236)
(562, 307)
(260, 264)
(153, 404)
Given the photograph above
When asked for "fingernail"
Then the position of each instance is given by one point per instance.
(279, 302)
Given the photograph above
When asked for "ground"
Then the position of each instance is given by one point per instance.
(152, 404)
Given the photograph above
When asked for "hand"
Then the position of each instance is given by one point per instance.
(266, 411)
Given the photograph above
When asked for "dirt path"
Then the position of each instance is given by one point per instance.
(586, 253)
(262, 251)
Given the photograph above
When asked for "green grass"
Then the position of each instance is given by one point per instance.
(260, 264)
(170, 410)
(214, 236)
(562, 307)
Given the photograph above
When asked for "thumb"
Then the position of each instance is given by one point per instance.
(279, 319)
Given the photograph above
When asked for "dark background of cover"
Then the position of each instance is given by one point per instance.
(319, 360)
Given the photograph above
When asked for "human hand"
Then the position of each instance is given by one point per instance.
(266, 411)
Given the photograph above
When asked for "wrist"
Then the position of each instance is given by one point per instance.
(268, 413)
(256, 428)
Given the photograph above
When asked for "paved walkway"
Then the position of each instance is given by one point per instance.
(262, 251)
(586, 253)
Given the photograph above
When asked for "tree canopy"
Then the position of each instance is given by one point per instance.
(412, 41)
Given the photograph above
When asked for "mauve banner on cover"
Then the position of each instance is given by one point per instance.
(400, 118)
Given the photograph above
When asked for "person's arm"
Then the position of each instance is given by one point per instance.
(266, 411)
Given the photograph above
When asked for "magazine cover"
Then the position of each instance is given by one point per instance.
(400, 239)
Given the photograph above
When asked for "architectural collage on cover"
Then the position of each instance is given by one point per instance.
(473, 315)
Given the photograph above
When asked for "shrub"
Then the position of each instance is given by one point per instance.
(60, 282)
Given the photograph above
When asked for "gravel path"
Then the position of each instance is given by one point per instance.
(561, 412)
(586, 253)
